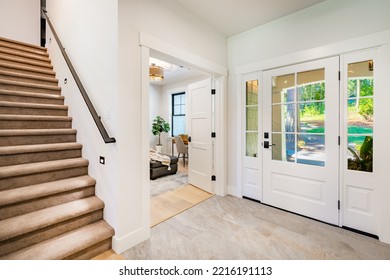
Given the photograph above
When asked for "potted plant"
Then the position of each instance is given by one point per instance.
(159, 125)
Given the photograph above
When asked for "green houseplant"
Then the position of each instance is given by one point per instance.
(160, 125)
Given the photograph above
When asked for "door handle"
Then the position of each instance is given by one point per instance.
(267, 145)
(189, 138)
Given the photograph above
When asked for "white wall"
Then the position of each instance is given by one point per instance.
(180, 30)
(91, 44)
(21, 20)
(329, 22)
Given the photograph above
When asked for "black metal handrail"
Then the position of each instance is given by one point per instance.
(92, 110)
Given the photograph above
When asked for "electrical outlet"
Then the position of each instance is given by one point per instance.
(102, 160)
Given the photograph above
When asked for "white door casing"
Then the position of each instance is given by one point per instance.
(306, 189)
(199, 129)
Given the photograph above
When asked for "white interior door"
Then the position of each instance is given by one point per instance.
(199, 129)
(300, 139)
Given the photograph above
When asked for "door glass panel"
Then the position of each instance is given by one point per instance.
(311, 149)
(311, 117)
(251, 118)
(283, 148)
(251, 144)
(283, 118)
(360, 112)
(306, 143)
(283, 88)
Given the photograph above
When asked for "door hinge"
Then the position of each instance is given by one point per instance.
(339, 140)
(213, 135)
(213, 91)
(338, 205)
(339, 75)
(213, 178)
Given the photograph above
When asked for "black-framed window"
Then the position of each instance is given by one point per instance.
(178, 113)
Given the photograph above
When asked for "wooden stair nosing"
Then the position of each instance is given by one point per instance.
(10, 59)
(37, 191)
(33, 221)
(28, 85)
(27, 68)
(14, 52)
(35, 132)
(27, 76)
(40, 167)
(19, 43)
(16, 48)
(35, 118)
(39, 148)
(33, 105)
(58, 247)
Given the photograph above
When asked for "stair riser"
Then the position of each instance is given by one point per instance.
(38, 178)
(30, 71)
(26, 60)
(92, 251)
(31, 99)
(24, 55)
(38, 236)
(39, 66)
(38, 157)
(23, 48)
(11, 77)
(30, 89)
(33, 111)
(36, 139)
(41, 124)
(44, 202)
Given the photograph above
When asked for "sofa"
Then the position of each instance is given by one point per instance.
(157, 169)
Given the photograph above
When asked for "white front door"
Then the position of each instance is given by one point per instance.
(300, 139)
(199, 128)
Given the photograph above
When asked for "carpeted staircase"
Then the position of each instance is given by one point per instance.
(48, 207)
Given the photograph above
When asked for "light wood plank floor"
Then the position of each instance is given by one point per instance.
(169, 204)
(108, 255)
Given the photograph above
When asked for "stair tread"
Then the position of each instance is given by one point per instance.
(27, 68)
(33, 221)
(38, 167)
(33, 132)
(32, 105)
(11, 59)
(31, 94)
(26, 84)
(66, 244)
(34, 118)
(13, 51)
(28, 76)
(12, 150)
(18, 195)
(15, 42)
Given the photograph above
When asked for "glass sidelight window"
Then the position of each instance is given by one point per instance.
(360, 108)
(251, 119)
(298, 117)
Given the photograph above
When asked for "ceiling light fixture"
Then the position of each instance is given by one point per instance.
(156, 73)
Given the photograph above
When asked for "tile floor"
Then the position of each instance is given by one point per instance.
(233, 228)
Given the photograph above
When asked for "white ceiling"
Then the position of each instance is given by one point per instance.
(235, 16)
(230, 17)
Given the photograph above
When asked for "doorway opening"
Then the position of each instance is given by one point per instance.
(171, 101)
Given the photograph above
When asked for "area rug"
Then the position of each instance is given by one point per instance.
(168, 183)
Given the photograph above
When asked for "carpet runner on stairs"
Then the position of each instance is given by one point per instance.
(48, 207)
